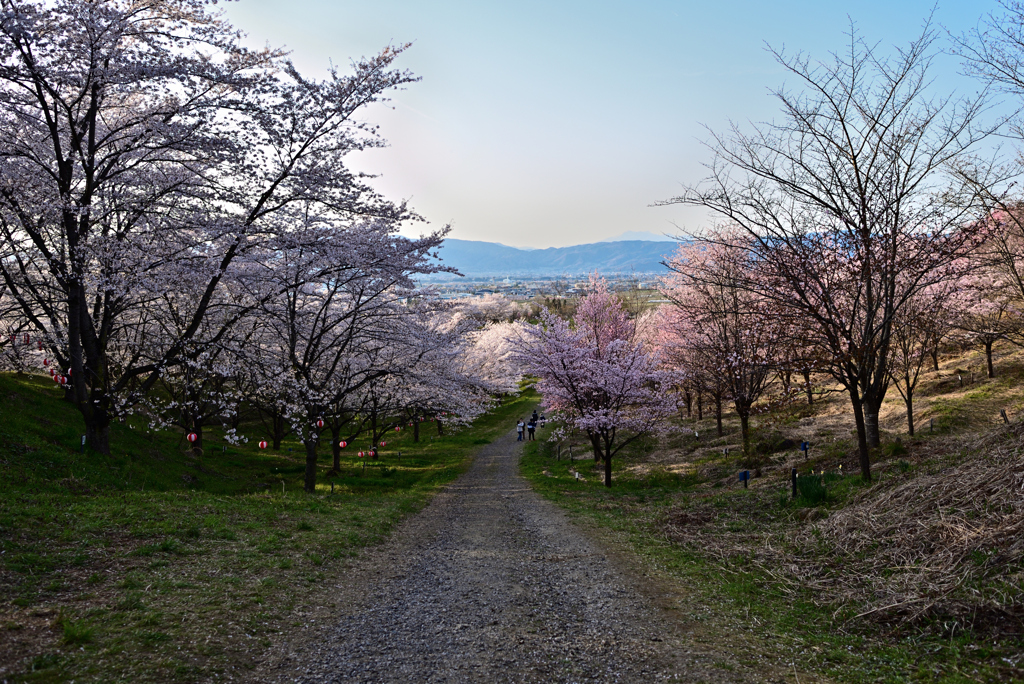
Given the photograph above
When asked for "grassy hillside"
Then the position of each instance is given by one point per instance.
(152, 565)
(918, 576)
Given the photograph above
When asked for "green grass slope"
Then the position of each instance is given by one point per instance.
(151, 565)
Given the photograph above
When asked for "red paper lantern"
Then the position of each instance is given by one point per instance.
(40, 345)
(56, 378)
(360, 454)
(343, 444)
(398, 429)
(46, 362)
(320, 422)
(192, 437)
(263, 444)
(383, 444)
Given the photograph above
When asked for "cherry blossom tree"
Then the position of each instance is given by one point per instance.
(851, 205)
(596, 375)
(726, 327)
(489, 356)
(333, 317)
(494, 308)
(990, 310)
(145, 153)
(912, 336)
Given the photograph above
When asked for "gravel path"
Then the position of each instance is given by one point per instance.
(492, 583)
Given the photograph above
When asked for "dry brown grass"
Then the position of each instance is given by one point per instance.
(938, 539)
(944, 543)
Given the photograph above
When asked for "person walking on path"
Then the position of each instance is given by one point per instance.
(519, 430)
(531, 427)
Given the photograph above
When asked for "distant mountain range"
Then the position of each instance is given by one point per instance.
(476, 259)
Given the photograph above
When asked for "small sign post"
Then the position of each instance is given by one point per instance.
(745, 478)
(806, 448)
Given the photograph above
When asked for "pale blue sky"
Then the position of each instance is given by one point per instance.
(543, 124)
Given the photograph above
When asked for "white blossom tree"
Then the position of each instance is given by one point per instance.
(144, 153)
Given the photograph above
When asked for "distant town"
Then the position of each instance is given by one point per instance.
(524, 289)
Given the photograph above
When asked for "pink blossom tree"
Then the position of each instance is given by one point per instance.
(914, 331)
(725, 327)
(596, 375)
(850, 206)
(330, 305)
(990, 310)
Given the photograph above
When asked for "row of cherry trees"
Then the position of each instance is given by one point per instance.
(180, 233)
(851, 238)
(855, 235)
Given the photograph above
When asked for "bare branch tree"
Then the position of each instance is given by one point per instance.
(849, 204)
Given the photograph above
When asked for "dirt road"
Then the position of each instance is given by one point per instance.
(492, 583)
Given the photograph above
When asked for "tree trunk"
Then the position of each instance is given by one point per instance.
(718, 414)
(807, 386)
(689, 404)
(871, 426)
(871, 406)
(310, 483)
(440, 428)
(97, 421)
(988, 358)
(97, 425)
(700, 406)
(277, 422)
(596, 443)
(787, 379)
(745, 431)
(415, 429)
(336, 448)
(97, 436)
(910, 411)
(862, 439)
(935, 359)
(607, 471)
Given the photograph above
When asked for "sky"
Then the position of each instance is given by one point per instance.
(546, 124)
